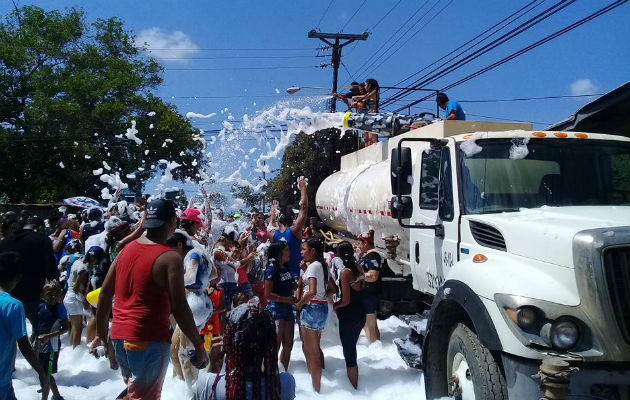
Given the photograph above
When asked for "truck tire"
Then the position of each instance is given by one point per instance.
(471, 371)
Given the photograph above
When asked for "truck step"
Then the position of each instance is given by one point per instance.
(410, 351)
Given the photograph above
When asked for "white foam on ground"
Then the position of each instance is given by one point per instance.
(382, 373)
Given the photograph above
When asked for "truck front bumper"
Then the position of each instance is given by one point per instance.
(591, 381)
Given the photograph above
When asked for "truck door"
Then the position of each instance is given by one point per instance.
(431, 255)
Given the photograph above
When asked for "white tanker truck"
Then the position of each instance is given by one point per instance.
(513, 244)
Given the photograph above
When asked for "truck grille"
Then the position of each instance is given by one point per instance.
(617, 273)
(487, 235)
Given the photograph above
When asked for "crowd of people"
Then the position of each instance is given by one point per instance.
(152, 285)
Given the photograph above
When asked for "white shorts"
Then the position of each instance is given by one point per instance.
(73, 304)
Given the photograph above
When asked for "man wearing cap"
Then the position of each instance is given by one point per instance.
(291, 231)
(147, 280)
(371, 261)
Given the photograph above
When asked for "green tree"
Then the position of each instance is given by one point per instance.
(69, 90)
(315, 157)
(247, 194)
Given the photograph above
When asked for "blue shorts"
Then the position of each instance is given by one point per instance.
(143, 367)
(314, 315)
(281, 311)
(371, 303)
(229, 290)
(246, 288)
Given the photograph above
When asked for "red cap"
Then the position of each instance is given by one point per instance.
(366, 237)
(192, 214)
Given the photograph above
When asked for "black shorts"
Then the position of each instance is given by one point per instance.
(371, 303)
(44, 359)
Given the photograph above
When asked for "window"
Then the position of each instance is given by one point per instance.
(436, 188)
(446, 187)
(557, 173)
(429, 179)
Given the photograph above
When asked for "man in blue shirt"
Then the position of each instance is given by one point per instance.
(452, 108)
(13, 329)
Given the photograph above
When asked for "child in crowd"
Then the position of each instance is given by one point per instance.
(251, 368)
(13, 329)
(53, 322)
(74, 301)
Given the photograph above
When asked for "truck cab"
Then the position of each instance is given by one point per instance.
(520, 242)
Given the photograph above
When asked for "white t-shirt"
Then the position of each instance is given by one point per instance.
(315, 270)
(77, 267)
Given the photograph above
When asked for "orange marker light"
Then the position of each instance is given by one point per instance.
(539, 134)
(581, 135)
(466, 137)
(479, 258)
(560, 134)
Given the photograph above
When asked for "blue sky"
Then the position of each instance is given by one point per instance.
(591, 58)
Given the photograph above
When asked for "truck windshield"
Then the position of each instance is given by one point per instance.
(555, 172)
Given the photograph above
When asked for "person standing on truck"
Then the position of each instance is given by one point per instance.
(371, 262)
(291, 231)
(452, 108)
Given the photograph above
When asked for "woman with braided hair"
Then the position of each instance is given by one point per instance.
(349, 280)
(251, 369)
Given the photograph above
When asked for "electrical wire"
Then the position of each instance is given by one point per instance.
(384, 16)
(388, 57)
(353, 15)
(530, 47)
(441, 70)
(504, 22)
(324, 14)
(392, 36)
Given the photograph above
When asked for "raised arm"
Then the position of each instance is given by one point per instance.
(300, 221)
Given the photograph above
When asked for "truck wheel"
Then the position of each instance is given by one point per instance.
(471, 371)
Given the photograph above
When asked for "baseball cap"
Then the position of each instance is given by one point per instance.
(158, 212)
(367, 237)
(192, 214)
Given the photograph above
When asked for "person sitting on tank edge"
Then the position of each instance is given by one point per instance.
(452, 108)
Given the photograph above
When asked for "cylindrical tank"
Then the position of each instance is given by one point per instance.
(384, 124)
(356, 200)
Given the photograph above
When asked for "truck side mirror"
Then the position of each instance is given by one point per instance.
(400, 170)
(402, 208)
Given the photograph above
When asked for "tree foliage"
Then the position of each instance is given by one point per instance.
(248, 195)
(69, 90)
(313, 156)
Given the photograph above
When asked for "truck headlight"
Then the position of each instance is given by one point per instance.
(564, 334)
(526, 317)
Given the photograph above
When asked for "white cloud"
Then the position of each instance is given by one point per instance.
(171, 46)
(583, 87)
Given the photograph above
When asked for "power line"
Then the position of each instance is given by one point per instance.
(428, 78)
(506, 21)
(242, 68)
(385, 16)
(410, 37)
(353, 15)
(237, 57)
(573, 96)
(534, 45)
(392, 36)
(324, 14)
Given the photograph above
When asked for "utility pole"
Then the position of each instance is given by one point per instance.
(335, 58)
